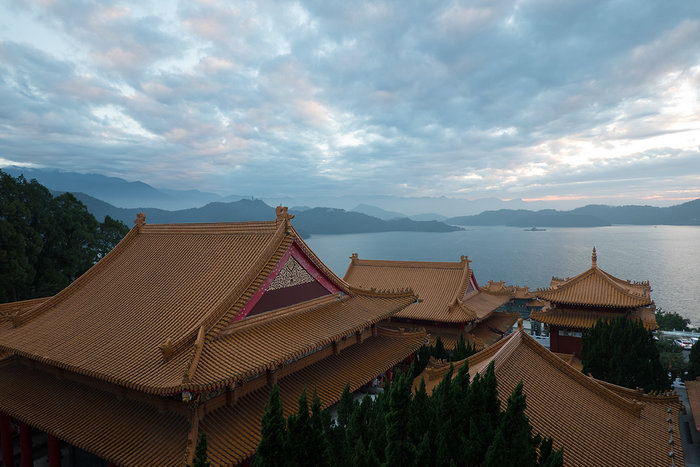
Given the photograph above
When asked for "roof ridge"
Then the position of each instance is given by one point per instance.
(589, 382)
(467, 274)
(407, 264)
(337, 281)
(468, 312)
(21, 318)
(288, 311)
(208, 228)
(381, 293)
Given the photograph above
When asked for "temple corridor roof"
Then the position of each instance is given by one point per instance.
(129, 432)
(577, 318)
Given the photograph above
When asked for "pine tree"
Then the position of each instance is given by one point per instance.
(622, 352)
(399, 450)
(298, 434)
(439, 351)
(461, 350)
(200, 453)
(513, 442)
(272, 448)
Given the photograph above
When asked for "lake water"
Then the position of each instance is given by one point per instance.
(667, 256)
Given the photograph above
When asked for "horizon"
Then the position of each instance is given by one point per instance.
(575, 104)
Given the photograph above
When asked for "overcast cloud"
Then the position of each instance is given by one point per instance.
(544, 99)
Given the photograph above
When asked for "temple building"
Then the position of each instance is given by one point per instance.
(522, 301)
(183, 329)
(597, 423)
(577, 303)
(450, 300)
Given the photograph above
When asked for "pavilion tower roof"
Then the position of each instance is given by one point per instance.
(595, 287)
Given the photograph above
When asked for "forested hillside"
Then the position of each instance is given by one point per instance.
(47, 242)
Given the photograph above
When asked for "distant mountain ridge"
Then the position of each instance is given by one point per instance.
(117, 191)
(593, 215)
(308, 221)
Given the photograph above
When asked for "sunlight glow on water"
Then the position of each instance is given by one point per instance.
(667, 256)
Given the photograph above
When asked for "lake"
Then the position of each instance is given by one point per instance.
(667, 256)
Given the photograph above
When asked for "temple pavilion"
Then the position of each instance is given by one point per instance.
(597, 423)
(450, 300)
(183, 329)
(577, 303)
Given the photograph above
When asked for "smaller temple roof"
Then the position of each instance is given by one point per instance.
(596, 287)
(596, 422)
(586, 319)
(447, 291)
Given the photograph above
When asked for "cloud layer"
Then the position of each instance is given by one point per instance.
(535, 99)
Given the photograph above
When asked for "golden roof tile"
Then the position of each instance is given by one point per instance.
(596, 287)
(693, 389)
(595, 422)
(447, 291)
(121, 431)
(146, 315)
(578, 318)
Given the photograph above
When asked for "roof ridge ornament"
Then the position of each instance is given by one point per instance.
(140, 220)
(594, 258)
(283, 215)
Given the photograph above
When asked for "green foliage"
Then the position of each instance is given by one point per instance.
(439, 351)
(272, 449)
(46, 242)
(461, 423)
(671, 321)
(462, 350)
(622, 352)
(200, 453)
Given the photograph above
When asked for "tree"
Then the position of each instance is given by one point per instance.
(440, 351)
(271, 450)
(671, 321)
(200, 453)
(622, 352)
(513, 443)
(462, 350)
(46, 242)
(399, 449)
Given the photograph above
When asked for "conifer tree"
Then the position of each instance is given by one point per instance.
(319, 453)
(272, 448)
(622, 352)
(399, 449)
(462, 350)
(513, 443)
(439, 351)
(200, 454)
(298, 434)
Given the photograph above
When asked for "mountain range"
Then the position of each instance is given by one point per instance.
(306, 221)
(593, 215)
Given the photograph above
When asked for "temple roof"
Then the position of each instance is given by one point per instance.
(586, 319)
(596, 287)
(447, 291)
(162, 305)
(138, 433)
(597, 423)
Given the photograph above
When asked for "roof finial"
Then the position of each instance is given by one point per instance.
(283, 215)
(354, 257)
(520, 324)
(594, 258)
(140, 219)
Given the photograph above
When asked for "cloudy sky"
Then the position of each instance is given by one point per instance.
(542, 99)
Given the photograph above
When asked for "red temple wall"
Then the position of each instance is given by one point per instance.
(564, 344)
